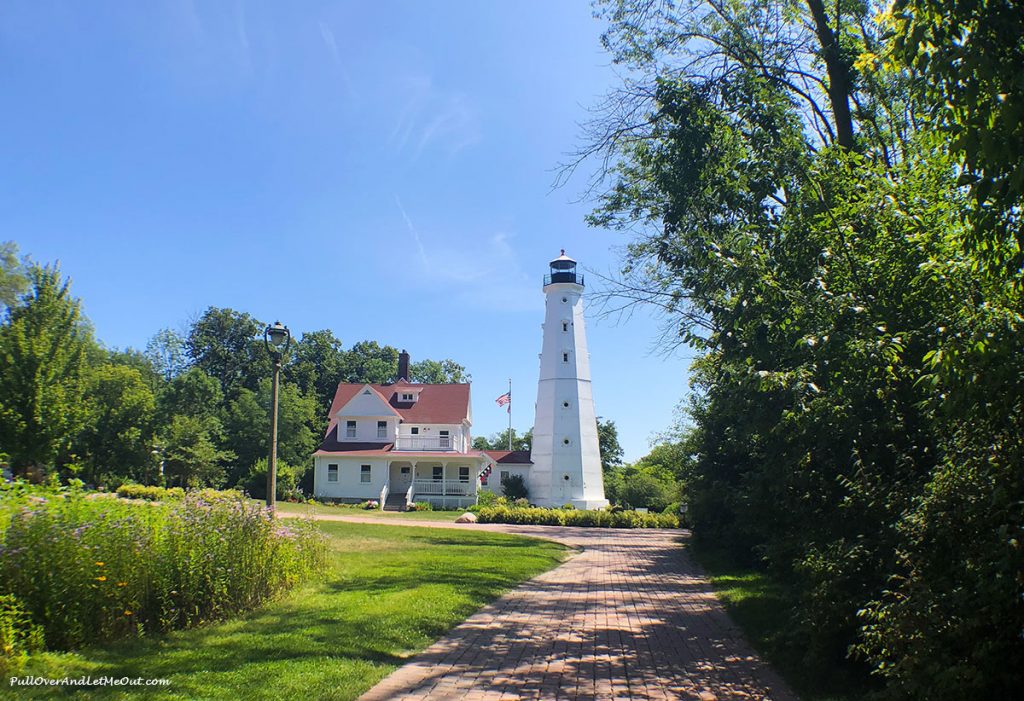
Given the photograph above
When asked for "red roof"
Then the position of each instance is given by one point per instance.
(514, 457)
(437, 404)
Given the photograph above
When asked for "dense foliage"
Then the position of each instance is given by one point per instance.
(808, 203)
(87, 570)
(191, 411)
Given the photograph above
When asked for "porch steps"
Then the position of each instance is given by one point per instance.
(395, 502)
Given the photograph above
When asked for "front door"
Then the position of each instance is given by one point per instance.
(401, 478)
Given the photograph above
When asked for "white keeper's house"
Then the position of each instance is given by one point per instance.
(403, 442)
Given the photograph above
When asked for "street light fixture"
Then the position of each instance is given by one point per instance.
(277, 339)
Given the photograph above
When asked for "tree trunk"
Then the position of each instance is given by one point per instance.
(838, 74)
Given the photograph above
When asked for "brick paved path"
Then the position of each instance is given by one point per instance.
(629, 617)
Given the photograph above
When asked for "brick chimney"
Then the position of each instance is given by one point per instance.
(403, 365)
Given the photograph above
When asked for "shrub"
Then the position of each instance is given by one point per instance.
(568, 507)
(88, 570)
(288, 476)
(644, 490)
(139, 491)
(585, 518)
(370, 504)
(484, 498)
(422, 506)
(18, 635)
(514, 487)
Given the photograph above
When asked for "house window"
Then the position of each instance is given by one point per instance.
(382, 429)
(444, 440)
(408, 397)
(332, 473)
(504, 476)
(438, 473)
(405, 470)
(364, 473)
(350, 429)
(464, 474)
(415, 430)
(565, 357)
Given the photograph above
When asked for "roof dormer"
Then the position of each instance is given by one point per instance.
(407, 395)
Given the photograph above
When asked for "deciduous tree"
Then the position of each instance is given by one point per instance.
(42, 349)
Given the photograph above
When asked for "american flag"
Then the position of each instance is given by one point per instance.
(504, 399)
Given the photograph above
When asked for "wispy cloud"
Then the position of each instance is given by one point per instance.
(242, 34)
(332, 48)
(434, 118)
(415, 234)
(481, 271)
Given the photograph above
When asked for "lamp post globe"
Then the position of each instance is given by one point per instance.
(277, 339)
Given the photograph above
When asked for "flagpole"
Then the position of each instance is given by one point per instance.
(510, 414)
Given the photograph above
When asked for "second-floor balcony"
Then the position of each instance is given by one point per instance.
(426, 443)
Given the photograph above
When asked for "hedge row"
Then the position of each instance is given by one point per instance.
(138, 491)
(569, 517)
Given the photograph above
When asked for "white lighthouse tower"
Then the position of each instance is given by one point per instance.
(565, 454)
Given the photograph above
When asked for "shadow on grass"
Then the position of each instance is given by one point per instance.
(763, 610)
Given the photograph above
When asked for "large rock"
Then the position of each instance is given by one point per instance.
(466, 518)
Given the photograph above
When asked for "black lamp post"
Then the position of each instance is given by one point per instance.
(277, 339)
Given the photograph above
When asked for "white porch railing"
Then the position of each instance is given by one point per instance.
(410, 494)
(440, 443)
(384, 494)
(443, 488)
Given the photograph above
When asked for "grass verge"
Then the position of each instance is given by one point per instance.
(389, 592)
(760, 607)
(314, 509)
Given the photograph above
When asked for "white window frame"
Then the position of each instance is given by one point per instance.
(464, 475)
(350, 429)
(365, 474)
(408, 397)
(382, 429)
(332, 473)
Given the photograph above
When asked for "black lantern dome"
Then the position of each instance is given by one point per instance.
(563, 269)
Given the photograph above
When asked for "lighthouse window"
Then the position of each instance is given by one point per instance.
(565, 404)
(565, 357)
(565, 441)
(565, 299)
(565, 326)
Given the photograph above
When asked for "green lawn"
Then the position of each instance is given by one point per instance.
(390, 591)
(310, 509)
(758, 605)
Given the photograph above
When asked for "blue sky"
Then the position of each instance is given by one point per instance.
(382, 169)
